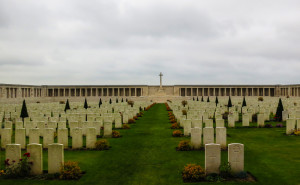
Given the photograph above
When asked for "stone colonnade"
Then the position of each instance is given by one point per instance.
(86, 91)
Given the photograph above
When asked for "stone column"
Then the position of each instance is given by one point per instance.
(212, 158)
(236, 157)
(36, 157)
(13, 153)
(55, 157)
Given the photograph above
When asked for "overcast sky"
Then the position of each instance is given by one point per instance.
(130, 41)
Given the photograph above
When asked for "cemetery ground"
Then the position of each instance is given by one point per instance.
(145, 154)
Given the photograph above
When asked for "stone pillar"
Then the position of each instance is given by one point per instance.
(208, 135)
(34, 135)
(236, 157)
(91, 137)
(221, 137)
(107, 129)
(55, 157)
(13, 153)
(5, 137)
(196, 138)
(62, 136)
(36, 157)
(77, 138)
(20, 137)
(212, 158)
(48, 137)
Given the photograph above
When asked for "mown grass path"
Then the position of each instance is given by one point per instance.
(146, 155)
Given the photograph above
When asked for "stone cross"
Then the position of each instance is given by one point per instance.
(160, 75)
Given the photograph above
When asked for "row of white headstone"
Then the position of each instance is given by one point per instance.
(62, 136)
(55, 157)
(213, 157)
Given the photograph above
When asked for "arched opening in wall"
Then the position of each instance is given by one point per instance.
(266, 92)
(189, 92)
(88, 91)
(200, 92)
(272, 92)
(138, 92)
(83, 93)
(104, 91)
(244, 91)
(227, 91)
(121, 91)
(126, 91)
(217, 92)
(205, 91)
(182, 91)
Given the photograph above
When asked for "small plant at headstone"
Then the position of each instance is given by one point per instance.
(184, 146)
(116, 134)
(193, 98)
(102, 144)
(125, 126)
(70, 171)
(225, 170)
(241, 175)
(177, 133)
(175, 126)
(135, 117)
(131, 103)
(279, 125)
(193, 173)
(184, 103)
(225, 115)
(297, 132)
(184, 112)
(131, 121)
(18, 169)
(260, 99)
(214, 178)
(61, 102)
(268, 126)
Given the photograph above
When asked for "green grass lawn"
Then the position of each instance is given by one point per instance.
(146, 155)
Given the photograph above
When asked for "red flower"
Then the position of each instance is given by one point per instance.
(26, 154)
(21, 159)
(13, 161)
(6, 162)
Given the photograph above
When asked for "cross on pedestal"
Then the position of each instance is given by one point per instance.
(160, 75)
